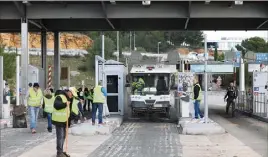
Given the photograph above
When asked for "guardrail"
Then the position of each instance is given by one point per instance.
(253, 105)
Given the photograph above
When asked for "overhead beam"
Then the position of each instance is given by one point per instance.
(262, 24)
(105, 14)
(189, 15)
(20, 8)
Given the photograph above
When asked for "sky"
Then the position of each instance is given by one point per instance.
(217, 35)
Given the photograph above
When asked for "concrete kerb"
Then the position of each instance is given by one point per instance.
(187, 127)
(87, 129)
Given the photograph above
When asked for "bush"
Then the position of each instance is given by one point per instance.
(82, 68)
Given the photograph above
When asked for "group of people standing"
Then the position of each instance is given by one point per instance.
(62, 107)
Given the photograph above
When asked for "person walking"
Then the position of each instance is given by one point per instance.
(48, 107)
(98, 101)
(197, 97)
(231, 95)
(60, 116)
(35, 100)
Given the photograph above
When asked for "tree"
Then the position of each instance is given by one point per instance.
(95, 49)
(9, 63)
(255, 44)
(149, 39)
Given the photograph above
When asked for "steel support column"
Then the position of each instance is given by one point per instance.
(56, 60)
(24, 56)
(44, 54)
(1, 84)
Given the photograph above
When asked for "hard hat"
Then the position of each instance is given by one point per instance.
(74, 91)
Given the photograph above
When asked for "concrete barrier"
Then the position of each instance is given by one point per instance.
(87, 129)
(189, 127)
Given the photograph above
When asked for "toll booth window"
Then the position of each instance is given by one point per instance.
(112, 84)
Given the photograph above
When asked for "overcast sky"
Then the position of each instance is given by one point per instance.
(216, 35)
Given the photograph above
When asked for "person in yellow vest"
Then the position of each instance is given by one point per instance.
(48, 107)
(88, 96)
(99, 94)
(197, 97)
(74, 101)
(61, 113)
(35, 100)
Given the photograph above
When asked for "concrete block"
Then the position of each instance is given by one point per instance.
(190, 127)
(87, 129)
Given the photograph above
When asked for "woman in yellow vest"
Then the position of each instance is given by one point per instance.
(48, 107)
(197, 97)
(35, 100)
(60, 116)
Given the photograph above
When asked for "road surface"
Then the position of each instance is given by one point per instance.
(142, 139)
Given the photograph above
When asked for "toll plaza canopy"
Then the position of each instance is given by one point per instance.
(106, 15)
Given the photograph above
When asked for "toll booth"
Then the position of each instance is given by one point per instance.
(115, 80)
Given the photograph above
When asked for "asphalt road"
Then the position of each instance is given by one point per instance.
(14, 141)
(142, 139)
(251, 132)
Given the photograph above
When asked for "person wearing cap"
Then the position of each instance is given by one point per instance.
(35, 100)
(48, 107)
(60, 116)
(99, 94)
(74, 105)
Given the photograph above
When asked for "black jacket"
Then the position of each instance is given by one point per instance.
(231, 94)
(196, 91)
(58, 105)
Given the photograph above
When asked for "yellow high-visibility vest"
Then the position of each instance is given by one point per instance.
(98, 96)
(49, 103)
(75, 108)
(35, 97)
(63, 114)
(200, 92)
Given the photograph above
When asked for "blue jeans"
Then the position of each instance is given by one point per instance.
(197, 111)
(96, 106)
(34, 111)
(80, 107)
(49, 121)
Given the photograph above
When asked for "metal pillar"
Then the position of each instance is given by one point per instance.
(1, 84)
(102, 54)
(130, 41)
(206, 81)
(134, 41)
(56, 60)
(44, 54)
(182, 66)
(242, 76)
(117, 44)
(18, 80)
(97, 59)
(24, 55)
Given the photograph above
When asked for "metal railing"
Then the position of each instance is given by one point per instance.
(255, 105)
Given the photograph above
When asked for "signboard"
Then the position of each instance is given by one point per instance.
(185, 81)
(256, 67)
(237, 58)
(216, 68)
(261, 57)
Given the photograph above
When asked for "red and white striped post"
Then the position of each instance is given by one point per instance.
(49, 76)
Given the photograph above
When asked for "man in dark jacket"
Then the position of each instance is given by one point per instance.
(161, 86)
(60, 115)
(231, 95)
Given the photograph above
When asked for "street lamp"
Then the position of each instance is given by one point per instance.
(158, 49)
